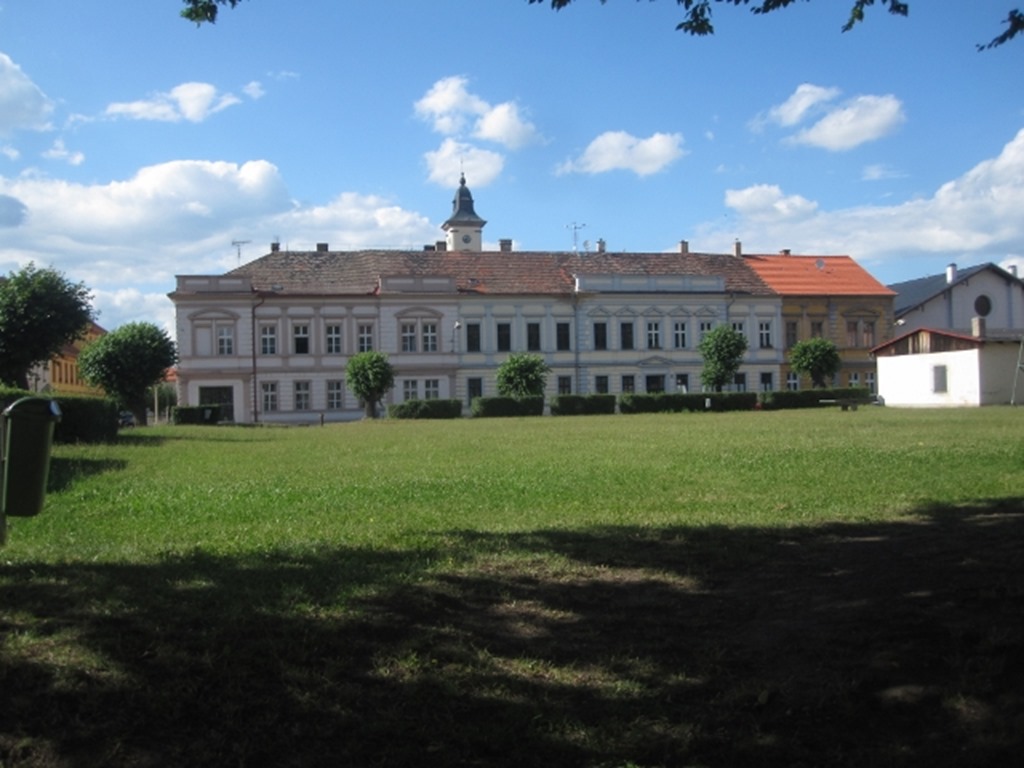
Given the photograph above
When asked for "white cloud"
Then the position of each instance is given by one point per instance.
(504, 125)
(60, 152)
(23, 106)
(618, 150)
(11, 153)
(806, 99)
(880, 172)
(189, 101)
(863, 119)
(254, 90)
(973, 218)
(481, 166)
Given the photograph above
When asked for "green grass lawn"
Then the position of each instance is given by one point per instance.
(777, 588)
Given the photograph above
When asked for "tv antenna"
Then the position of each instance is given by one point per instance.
(575, 234)
(238, 247)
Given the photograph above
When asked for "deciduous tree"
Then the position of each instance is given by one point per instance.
(370, 376)
(817, 358)
(722, 349)
(40, 312)
(127, 362)
(522, 375)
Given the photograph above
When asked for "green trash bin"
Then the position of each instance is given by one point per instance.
(28, 426)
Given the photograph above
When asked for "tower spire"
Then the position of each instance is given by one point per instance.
(464, 227)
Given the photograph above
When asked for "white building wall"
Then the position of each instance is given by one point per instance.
(953, 310)
(910, 380)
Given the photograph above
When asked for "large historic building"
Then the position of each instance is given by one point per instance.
(270, 340)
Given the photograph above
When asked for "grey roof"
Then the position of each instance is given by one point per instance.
(914, 293)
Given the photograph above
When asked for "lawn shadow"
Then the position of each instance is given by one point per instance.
(64, 472)
(894, 644)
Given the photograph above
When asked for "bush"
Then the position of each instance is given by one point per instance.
(811, 398)
(582, 405)
(426, 409)
(676, 402)
(83, 419)
(507, 406)
(195, 414)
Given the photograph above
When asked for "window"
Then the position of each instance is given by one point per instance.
(653, 335)
(364, 337)
(982, 306)
(268, 340)
(817, 329)
(431, 389)
(740, 327)
(764, 334)
(939, 379)
(562, 343)
(868, 333)
(851, 333)
(655, 383)
(429, 337)
(628, 384)
(504, 337)
(626, 336)
(473, 337)
(269, 389)
(869, 381)
(792, 381)
(853, 380)
(682, 382)
(303, 401)
(565, 385)
(740, 382)
(333, 339)
(792, 333)
(767, 381)
(408, 334)
(335, 395)
(706, 326)
(225, 340)
(679, 335)
(474, 388)
(410, 389)
(300, 337)
(601, 385)
(533, 337)
(600, 335)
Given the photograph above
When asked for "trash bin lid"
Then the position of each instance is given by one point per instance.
(35, 408)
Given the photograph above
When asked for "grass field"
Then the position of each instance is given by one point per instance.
(818, 588)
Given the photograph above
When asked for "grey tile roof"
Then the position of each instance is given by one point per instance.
(914, 293)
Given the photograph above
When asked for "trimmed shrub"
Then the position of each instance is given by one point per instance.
(811, 398)
(507, 406)
(676, 402)
(83, 419)
(426, 409)
(582, 405)
(195, 414)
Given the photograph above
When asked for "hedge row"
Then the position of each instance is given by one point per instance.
(426, 409)
(507, 406)
(676, 402)
(83, 419)
(582, 405)
(195, 414)
(812, 398)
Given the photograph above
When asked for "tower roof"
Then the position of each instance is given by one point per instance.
(462, 209)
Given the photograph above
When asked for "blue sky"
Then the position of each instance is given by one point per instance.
(135, 146)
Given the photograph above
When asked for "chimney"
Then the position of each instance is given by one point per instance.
(600, 245)
(275, 247)
(321, 248)
(951, 274)
(785, 252)
(737, 249)
(441, 245)
(505, 245)
(429, 247)
(1012, 269)
(684, 247)
(978, 327)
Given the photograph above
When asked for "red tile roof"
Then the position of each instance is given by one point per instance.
(816, 276)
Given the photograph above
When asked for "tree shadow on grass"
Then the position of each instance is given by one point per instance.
(893, 644)
(64, 472)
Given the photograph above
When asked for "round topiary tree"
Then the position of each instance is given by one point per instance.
(522, 375)
(722, 349)
(370, 376)
(817, 358)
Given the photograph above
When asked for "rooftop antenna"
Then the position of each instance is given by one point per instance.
(238, 247)
(575, 234)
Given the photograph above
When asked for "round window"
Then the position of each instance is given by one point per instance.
(982, 305)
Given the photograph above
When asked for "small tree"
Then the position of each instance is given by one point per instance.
(40, 312)
(722, 349)
(522, 375)
(817, 358)
(370, 376)
(128, 361)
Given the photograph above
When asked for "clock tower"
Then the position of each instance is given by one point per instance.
(464, 228)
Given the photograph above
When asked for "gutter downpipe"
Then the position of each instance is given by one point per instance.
(255, 388)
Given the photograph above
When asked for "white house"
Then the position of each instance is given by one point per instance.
(938, 368)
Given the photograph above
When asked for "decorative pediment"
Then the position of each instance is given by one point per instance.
(655, 361)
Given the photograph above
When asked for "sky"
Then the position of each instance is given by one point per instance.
(136, 146)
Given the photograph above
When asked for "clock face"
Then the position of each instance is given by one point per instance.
(466, 238)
